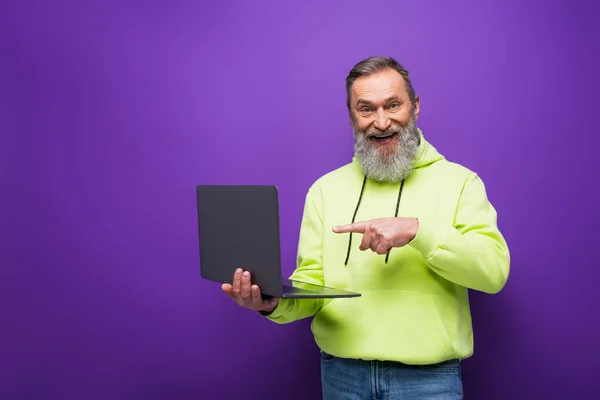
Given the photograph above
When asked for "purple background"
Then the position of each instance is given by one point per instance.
(111, 112)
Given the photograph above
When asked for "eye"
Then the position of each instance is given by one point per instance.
(395, 106)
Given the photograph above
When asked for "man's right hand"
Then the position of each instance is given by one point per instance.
(247, 295)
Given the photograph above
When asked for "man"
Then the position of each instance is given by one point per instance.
(410, 231)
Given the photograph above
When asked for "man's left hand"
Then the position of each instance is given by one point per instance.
(382, 234)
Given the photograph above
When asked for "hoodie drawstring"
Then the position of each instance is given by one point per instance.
(362, 189)
(396, 214)
(354, 217)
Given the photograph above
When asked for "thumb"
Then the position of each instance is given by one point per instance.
(227, 288)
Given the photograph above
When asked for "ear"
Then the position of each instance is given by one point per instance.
(417, 107)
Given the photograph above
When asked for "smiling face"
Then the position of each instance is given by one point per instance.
(384, 123)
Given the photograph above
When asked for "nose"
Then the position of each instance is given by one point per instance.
(382, 122)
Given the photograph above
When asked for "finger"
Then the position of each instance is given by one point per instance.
(383, 247)
(273, 302)
(375, 242)
(358, 227)
(269, 303)
(365, 243)
(256, 297)
(246, 293)
(258, 303)
(227, 288)
(237, 282)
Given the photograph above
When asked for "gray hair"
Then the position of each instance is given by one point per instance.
(373, 65)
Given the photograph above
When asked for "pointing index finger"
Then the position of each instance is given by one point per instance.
(358, 227)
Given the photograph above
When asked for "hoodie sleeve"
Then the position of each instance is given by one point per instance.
(309, 267)
(472, 253)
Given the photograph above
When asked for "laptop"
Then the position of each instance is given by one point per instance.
(238, 227)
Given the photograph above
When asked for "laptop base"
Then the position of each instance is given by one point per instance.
(302, 290)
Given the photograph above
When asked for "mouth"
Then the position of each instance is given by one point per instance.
(383, 138)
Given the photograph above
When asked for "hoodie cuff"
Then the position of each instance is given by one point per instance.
(283, 307)
(427, 240)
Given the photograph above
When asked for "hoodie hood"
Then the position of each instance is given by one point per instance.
(426, 153)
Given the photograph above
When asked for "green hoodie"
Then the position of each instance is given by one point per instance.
(414, 308)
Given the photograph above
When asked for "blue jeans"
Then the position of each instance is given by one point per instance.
(349, 379)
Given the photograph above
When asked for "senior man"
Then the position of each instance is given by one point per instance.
(409, 230)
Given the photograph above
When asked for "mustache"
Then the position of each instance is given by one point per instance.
(372, 131)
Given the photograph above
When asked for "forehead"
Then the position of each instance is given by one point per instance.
(379, 86)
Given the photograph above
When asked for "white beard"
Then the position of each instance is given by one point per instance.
(387, 168)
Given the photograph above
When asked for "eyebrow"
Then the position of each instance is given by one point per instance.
(363, 101)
